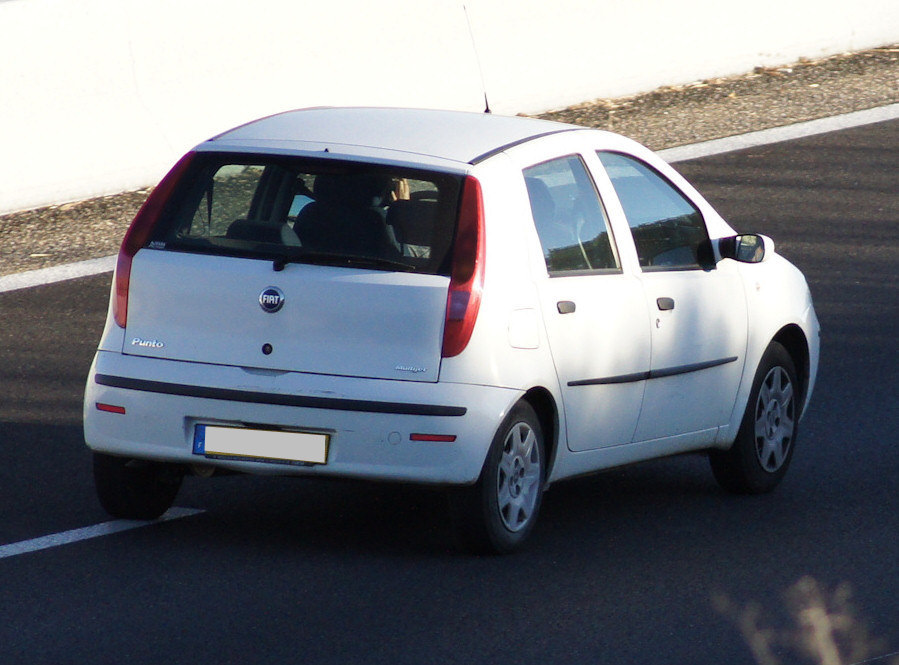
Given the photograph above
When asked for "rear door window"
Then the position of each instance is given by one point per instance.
(314, 211)
(569, 217)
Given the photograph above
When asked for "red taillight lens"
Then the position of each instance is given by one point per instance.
(139, 233)
(467, 277)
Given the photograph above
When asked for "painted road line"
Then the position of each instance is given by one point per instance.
(25, 280)
(88, 532)
(878, 659)
(778, 134)
(682, 153)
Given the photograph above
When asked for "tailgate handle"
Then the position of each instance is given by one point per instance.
(665, 304)
(565, 306)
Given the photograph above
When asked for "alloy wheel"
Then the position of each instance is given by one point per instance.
(774, 419)
(518, 477)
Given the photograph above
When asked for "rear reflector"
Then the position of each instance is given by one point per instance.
(139, 233)
(467, 277)
(437, 438)
(111, 408)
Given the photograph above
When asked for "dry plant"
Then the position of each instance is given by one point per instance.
(826, 629)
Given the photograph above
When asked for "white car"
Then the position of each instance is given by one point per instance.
(489, 304)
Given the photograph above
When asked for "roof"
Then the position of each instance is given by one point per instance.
(455, 136)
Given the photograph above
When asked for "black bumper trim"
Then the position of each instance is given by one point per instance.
(654, 374)
(277, 399)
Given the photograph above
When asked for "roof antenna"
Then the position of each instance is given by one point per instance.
(477, 57)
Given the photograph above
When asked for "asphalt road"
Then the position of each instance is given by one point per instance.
(625, 566)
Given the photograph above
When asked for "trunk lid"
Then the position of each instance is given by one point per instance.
(332, 320)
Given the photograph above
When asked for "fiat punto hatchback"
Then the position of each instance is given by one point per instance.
(488, 304)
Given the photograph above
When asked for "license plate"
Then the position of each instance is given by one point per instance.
(260, 445)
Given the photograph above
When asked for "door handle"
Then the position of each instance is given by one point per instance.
(665, 304)
(565, 306)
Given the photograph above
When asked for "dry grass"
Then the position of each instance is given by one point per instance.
(826, 629)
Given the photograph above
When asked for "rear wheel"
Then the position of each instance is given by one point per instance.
(135, 489)
(498, 513)
(761, 453)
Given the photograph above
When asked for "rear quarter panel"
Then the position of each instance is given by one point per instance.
(508, 346)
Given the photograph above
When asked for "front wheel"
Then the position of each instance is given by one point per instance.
(761, 453)
(498, 513)
(135, 489)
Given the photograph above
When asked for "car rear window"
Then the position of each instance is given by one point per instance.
(313, 211)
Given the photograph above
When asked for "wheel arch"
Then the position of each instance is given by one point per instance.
(544, 405)
(793, 339)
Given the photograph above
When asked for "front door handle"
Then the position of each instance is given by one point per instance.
(665, 304)
(565, 306)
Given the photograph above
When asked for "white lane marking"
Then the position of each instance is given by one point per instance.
(878, 659)
(88, 532)
(778, 134)
(24, 280)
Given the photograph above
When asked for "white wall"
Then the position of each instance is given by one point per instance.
(101, 96)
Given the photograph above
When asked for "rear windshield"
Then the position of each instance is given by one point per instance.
(313, 211)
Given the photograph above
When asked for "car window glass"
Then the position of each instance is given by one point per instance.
(569, 217)
(314, 211)
(668, 230)
(227, 198)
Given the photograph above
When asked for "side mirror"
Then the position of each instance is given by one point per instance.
(747, 248)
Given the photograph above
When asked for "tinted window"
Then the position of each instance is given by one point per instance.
(668, 230)
(313, 211)
(569, 217)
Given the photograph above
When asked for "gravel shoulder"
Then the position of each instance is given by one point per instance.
(664, 118)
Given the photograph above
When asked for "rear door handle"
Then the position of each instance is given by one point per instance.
(665, 304)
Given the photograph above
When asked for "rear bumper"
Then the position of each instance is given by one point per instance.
(368, 421)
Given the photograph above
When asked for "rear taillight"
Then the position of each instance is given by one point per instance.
(467, 276)
(139, 233)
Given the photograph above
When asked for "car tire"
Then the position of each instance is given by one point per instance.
(498, 513)
(135, 489)
(759, 457)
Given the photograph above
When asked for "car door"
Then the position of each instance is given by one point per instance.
(697, 309)
(595, 314)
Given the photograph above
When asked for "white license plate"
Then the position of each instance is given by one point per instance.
(261, 445)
